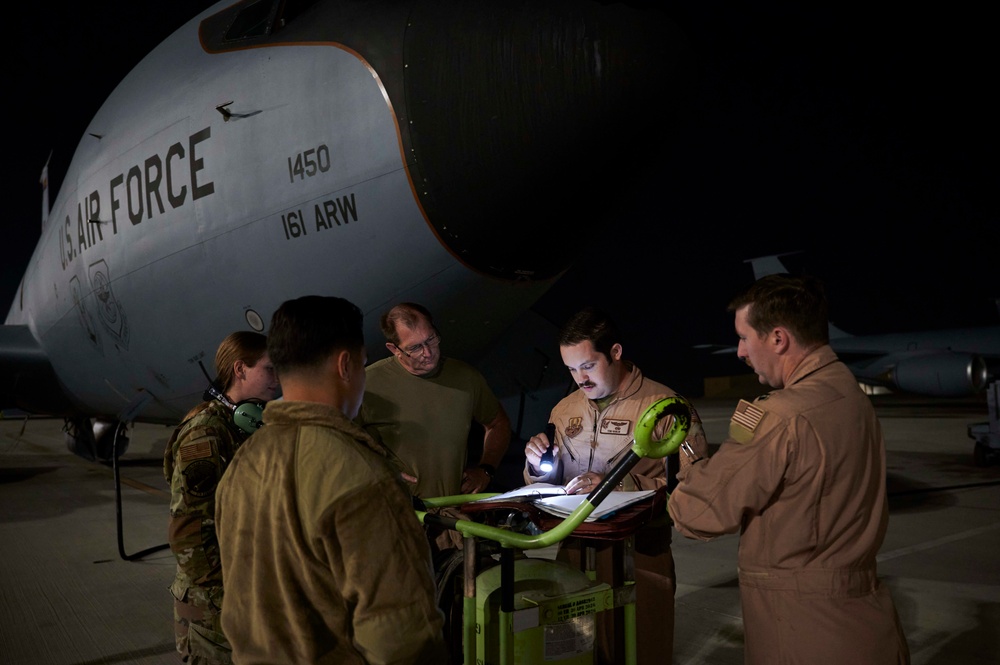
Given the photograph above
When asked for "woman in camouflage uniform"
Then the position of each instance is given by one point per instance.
(193, 462)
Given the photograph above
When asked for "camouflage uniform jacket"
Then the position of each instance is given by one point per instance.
(193, 462)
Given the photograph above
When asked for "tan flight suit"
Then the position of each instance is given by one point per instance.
(802, 478)
(324, 559)
(592, 440)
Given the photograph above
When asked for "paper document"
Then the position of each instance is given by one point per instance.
(527, 493)
(554, 500)
(562, 506)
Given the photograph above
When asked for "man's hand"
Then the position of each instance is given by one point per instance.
(536, 447)
(688, 455)
(475, 480)
(584, 483)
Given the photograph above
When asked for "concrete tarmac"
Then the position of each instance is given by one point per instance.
(75, 592)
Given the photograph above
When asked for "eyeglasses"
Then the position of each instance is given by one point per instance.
(428, 344)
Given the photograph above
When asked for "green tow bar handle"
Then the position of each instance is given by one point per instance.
(642, 446)
(645, 445)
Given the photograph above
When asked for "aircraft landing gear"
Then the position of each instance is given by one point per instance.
(94, 439)
(987, 434)
(985, 454)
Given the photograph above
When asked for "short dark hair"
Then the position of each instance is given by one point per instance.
(305, 331)
(593, 325)
(407, 313)
(795, 302)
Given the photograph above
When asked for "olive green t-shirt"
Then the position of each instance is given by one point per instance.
(425, 420)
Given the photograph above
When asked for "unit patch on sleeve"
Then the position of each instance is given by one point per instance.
(744, 422)
(200, 478)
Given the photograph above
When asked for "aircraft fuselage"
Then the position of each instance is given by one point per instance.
(236, 167)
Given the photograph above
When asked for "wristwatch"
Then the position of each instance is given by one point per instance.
(489, 469)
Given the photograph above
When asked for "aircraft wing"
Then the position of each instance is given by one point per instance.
(30, 383)
(940, 363)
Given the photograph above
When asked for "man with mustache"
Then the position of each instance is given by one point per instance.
(594, 427)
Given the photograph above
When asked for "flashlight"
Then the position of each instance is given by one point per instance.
(546, 462)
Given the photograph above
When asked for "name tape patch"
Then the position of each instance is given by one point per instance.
(609, 426)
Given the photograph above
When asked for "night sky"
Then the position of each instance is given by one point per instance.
(863, 138)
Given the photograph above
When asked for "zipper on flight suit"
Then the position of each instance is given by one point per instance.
(593, 442)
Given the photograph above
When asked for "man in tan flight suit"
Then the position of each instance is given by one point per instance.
(802, 478)
(594, 429)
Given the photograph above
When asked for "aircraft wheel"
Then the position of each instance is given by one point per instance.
(94, 440)
(983, 456)
(107, 433)
(79, 437)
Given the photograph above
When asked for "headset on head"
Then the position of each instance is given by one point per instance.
(247, 414)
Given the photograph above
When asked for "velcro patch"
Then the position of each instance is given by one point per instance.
(195, 450)
(745, 420)
(609, 426)
(200, 478)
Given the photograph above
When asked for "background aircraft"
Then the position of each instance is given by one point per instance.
(270, 149)
(950, 362)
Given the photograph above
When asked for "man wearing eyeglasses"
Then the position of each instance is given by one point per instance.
(422, 404)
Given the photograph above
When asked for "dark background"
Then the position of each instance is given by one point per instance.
(863, 138)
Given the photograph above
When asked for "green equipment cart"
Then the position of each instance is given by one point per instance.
(526, 610)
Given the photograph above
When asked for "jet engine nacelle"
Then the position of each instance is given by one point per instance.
(941, 374)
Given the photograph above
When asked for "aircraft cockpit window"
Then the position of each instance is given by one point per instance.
(264, 17)
(290, 10)
(253, 20)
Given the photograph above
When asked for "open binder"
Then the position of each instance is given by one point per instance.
(554, 500)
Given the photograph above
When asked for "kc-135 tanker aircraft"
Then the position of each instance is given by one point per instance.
(448, 153)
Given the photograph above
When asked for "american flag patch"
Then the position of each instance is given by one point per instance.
(197, 450)
(747, 415)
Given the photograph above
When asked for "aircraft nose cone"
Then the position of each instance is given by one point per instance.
(533, 117)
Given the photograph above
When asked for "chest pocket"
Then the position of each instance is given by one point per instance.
(615, 427)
